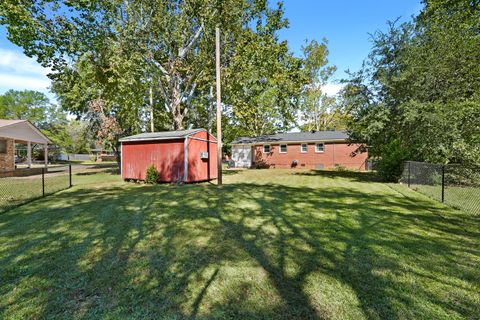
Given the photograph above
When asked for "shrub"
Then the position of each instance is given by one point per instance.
(151, 175)
(390, 165)
(340, 168)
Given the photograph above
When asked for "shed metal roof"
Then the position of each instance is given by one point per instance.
(295, 137)
(162, 135)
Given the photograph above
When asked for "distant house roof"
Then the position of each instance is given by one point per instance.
(295, 137)
(163, 135)
(22, 131)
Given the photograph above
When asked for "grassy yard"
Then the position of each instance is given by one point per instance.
(269, 244)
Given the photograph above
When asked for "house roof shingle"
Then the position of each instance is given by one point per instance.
(294, 137)
(162, 135)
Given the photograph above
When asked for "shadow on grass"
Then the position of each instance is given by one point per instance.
(239, 251)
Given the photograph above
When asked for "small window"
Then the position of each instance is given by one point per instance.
(304, 148)
(319, 147)
(283, 148)
(3, 146)
(266, 148)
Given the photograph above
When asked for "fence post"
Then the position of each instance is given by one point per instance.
(70, 175)
(43, 182)
(408, 174)
(443, 183)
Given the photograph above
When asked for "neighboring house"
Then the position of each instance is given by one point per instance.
(312, 150)
(178, 156)
(19, 132)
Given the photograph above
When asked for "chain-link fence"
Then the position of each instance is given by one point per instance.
(454, 184)
(22, 185)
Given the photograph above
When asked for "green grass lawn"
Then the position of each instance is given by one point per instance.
(269, 244)
(466, 198)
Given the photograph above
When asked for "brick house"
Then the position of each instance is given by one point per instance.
(19, 132)
(310, 150)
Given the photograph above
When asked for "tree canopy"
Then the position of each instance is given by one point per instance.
(418, 95)
(152, 62)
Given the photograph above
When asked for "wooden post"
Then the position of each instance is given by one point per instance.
(219, 107)
(29, 154)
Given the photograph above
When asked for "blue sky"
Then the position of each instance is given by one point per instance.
(346, 24)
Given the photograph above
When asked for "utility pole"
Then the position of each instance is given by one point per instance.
(219, 107)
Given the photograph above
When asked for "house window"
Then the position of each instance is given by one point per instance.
(304, 148)
(3, 146)
(319, 147)
(266, 148)
(283, 148)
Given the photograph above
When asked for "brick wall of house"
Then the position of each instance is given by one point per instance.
(7, 159)
(333, 154)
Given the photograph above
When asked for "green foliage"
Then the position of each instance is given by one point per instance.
(25, 105)
(151, 175)
(118, 51)
(390, 166)
(318, 111)
(419, 90)
(262, 86)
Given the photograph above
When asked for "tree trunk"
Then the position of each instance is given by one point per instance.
(152, 126)
(176, 106)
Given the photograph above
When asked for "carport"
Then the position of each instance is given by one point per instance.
(22, 132)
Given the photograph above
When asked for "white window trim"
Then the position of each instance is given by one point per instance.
(301, 148)
(280, 148)
(316, 150)
(269, 148)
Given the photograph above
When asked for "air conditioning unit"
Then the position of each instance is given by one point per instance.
(204, 155)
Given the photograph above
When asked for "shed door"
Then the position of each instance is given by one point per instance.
(242, 156)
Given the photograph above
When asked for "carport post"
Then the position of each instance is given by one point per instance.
(29, 154)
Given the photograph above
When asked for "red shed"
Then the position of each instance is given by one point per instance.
(186, 155)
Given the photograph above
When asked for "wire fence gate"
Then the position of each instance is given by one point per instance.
(23, 185)
(453, 184)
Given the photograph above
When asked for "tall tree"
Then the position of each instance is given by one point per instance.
(418, 95)
(318, 111)
(131, 45)
(25, 105)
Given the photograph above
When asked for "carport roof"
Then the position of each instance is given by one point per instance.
(311, 136)
(163, 135)
(22, 131)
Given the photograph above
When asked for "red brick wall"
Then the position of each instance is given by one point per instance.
(7, 159)
(334, 154)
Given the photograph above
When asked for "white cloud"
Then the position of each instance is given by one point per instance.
(332, 89)
(18, 63)
(19, 82)
(19, 72)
